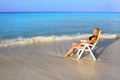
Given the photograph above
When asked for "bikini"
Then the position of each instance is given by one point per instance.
(90, 38)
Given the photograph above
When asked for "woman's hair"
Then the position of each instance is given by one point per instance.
(98, 30)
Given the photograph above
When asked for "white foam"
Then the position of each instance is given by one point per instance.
(108, 36)
(38, 39)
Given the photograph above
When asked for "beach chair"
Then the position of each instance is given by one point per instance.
(88, 47)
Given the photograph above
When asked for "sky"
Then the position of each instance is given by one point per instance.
(59, 6)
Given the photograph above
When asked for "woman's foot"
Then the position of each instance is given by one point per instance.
(66, 55)
(71, 54)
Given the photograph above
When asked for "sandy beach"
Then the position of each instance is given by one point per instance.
(42, 61)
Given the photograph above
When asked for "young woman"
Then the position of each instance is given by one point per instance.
(92, 39)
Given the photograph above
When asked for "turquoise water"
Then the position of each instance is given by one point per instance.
(20, 26)
(25, 25)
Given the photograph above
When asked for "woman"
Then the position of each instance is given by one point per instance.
(92, 39)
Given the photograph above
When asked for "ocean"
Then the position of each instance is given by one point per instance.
(32, 46)
(49, 26)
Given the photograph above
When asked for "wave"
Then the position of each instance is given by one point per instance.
(39, 39)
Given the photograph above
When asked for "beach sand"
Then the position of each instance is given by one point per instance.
(44, 61)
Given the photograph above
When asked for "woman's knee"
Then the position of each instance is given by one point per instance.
(74, 44)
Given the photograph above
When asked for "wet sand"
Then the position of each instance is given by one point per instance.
(42, 61)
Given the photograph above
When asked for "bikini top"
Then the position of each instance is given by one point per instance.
(90, 38)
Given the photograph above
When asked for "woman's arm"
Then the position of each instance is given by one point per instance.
(92, 40)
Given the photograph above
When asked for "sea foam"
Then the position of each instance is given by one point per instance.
(41, 39)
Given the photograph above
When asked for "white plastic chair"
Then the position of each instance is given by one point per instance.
(88, 47)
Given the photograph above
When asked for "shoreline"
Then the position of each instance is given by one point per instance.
(44, 39)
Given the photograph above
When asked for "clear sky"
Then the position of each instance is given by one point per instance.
(60, 5)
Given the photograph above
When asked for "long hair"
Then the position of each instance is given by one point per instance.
(98, 30)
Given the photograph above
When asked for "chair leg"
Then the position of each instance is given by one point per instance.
(80, 55)
(78, 52)
(91, 53)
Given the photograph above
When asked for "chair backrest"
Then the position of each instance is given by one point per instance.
(93, 45)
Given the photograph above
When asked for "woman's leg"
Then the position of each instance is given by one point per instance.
(70, 52)
(75, 44)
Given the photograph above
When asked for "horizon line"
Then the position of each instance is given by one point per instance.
(56, 12)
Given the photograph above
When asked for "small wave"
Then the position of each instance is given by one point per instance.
(38, 39)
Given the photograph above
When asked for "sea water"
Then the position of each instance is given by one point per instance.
(51, 26)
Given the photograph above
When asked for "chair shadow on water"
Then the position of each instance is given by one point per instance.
(102, 45)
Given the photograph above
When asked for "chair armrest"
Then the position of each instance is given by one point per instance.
(83, 41)
(86, 44)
